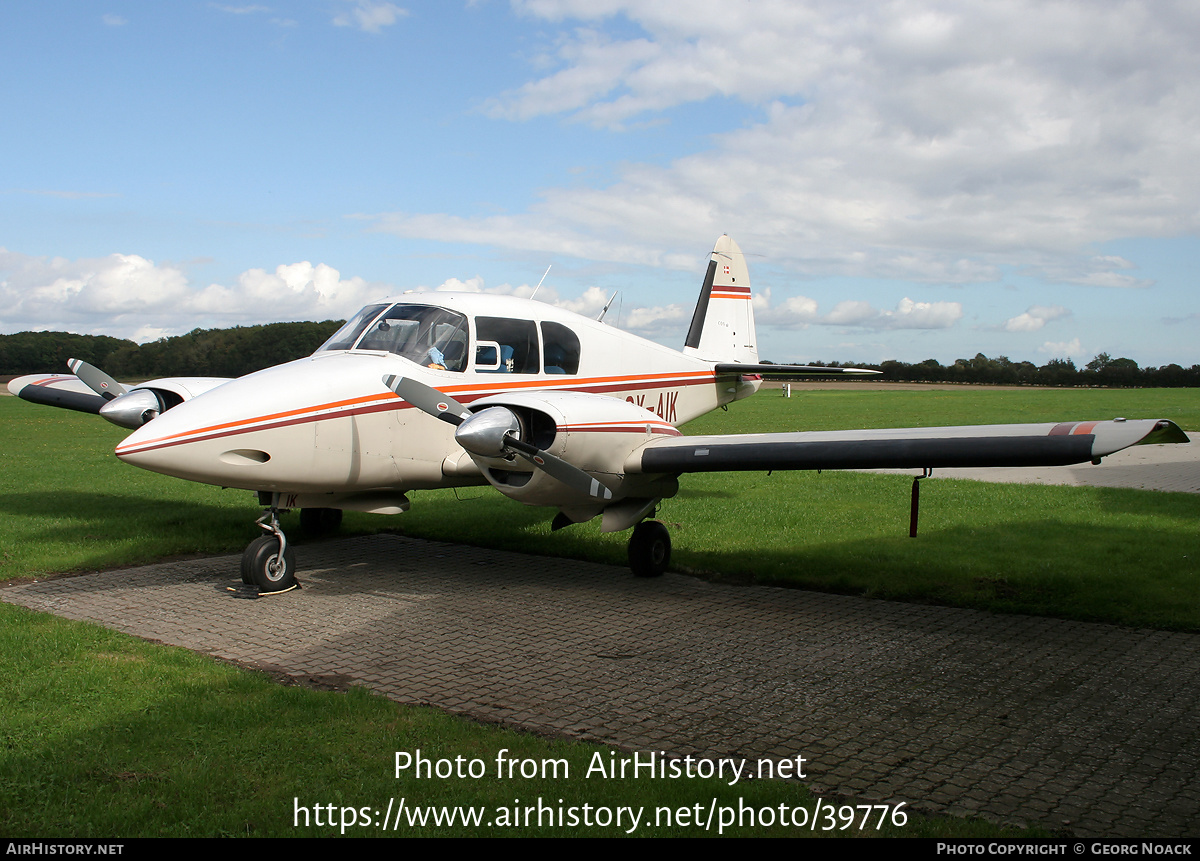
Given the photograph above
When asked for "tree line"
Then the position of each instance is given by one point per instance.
(200, 353)
(245, 349)
(1103, 370)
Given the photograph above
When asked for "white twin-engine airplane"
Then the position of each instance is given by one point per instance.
(433, 390)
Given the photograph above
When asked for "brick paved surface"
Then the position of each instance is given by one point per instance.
(1079, 727)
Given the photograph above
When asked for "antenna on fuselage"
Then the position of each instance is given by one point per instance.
(604, 310)
(539, 287)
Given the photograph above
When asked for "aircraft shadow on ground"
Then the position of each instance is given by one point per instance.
(1036, 566)
(146, 528)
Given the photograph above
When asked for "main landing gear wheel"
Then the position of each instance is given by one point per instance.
(263, 566)
(320, 521)
(649, 549)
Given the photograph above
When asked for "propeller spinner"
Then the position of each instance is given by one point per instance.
(128, 409)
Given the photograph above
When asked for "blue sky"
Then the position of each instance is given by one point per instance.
(909, 179)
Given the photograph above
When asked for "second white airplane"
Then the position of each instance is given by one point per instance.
(432, 390)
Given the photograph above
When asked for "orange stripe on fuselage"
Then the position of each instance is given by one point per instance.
(244, 423)
(388, 400)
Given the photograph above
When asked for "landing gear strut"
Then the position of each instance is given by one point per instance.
(649, 549)
(269, 562)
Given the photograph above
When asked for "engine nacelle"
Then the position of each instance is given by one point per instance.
(592, 432)
(150, 400)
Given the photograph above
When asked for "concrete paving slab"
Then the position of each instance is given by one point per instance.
(1084, 728)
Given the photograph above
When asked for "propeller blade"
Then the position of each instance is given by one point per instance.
(427, 399)
(96, 380)
(557, 468)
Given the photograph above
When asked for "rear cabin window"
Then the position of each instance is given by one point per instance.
(518, 342)
(560, 348)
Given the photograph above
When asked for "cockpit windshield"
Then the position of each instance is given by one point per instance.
(344, 338)
(429, 336)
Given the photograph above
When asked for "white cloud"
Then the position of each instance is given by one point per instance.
(114, 20)
(646, 321)
(1063, 349)
(922, 315)
(915, 139)
(1035, 318)
(651, 322)
(454, 285)
(850, 312)
(370, 16)
(801, 312)
(795, 312)
(1111, 279)
(589, 304)
(126, 295)
(1098, 272)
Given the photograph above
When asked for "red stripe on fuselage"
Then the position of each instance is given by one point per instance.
(388, 401)
(622, 427)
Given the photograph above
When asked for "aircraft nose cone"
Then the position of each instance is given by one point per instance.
(148, 446)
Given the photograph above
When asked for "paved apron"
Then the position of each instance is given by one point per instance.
(1072, 726)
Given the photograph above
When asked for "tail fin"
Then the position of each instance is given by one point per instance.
(722, 327)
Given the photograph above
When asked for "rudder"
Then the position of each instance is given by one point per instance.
(722, 327)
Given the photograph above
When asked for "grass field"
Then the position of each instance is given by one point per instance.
(105, 735)
(1121, 556)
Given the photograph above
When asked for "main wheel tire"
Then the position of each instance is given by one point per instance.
(320, 521)
(266, 568)
(649, 549)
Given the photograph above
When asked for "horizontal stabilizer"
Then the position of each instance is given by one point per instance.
(731, 368)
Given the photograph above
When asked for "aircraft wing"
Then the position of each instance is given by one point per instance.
(735, 368)
(71, 392)
(57, 390)
(1051, 444)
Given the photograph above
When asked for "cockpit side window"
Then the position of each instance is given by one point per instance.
(344, 338)
(561, 349)
(433, 337)
(518, 342)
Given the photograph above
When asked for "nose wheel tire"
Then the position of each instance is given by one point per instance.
(264, 567)
(649, 549)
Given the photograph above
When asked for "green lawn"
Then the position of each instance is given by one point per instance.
(105, 735)
(1122, 556)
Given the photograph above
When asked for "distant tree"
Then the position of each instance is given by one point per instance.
(1057, 372)
(39, 352)
(200, 353)
(1120, 372)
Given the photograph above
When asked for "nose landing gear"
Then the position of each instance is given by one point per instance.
(269, 562)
